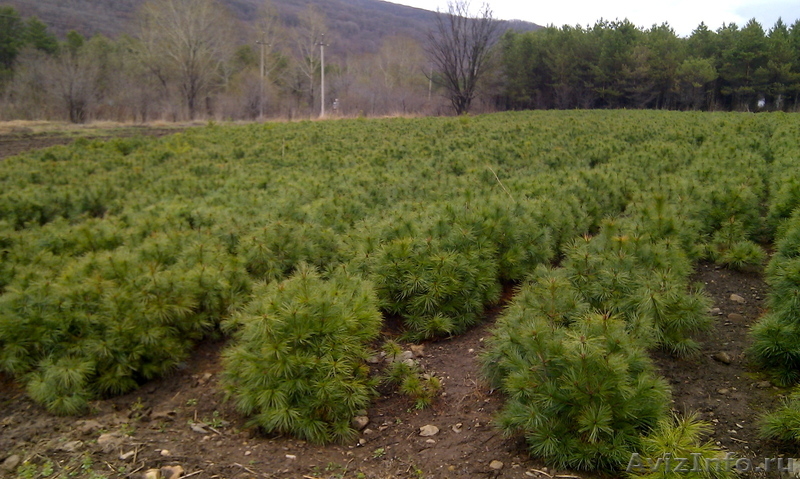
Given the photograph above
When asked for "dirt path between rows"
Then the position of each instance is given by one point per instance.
(720, 384)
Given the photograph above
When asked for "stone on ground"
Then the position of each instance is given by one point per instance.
(428, 430)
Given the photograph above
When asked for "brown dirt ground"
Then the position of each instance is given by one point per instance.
(154, 422)
(20, 140)
(729, 396)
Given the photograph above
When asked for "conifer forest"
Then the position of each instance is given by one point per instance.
(303, 244)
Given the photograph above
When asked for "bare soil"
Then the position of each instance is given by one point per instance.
(18, 140)
(731, 397)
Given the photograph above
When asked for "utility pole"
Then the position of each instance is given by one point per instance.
(430, 84)
(322, 76)
(261, 102)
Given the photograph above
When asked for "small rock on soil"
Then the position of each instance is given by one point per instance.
(737, 299)
(723, 357)
(428, 430)
(10, 463)
(359, 422)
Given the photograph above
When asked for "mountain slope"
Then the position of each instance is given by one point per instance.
(360, 25)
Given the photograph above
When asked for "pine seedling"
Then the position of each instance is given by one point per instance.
(298, 364)
(62, 385)
(520, 242)
(392, 349)
(549, 292)
(784, 200)
(397, 371)
(581, 395)
(787, 243)
(659, 219)
(423, 388)
(730, 247)
(584, 266)
(783, 424)
(436, 291)
(642, 281)
(274, 251)
(679, 437)
(564, 214)
(742, 255)
(727, 200)
(776, 337)
(413, 382)
(674, 313)
(776, 347)
(7, 243)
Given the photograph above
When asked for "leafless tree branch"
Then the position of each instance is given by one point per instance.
(459, 48)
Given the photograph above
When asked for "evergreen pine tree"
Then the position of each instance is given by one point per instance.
(783, 424)
(107, 321)
(643, 281)
(274, 251)
(298, 364)
(436, 290)
(730, 247)
(776, 337)
(582, 395)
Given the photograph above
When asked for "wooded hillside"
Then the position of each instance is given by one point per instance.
(359, 25)
(228, 59)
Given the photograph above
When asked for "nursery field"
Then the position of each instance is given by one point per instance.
(554, 291)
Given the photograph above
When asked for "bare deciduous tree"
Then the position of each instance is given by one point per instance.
(27, 96)
(187, 40)
(306, 41)
(459, 48)
(401, 61)
(73, 78)
(269, 32)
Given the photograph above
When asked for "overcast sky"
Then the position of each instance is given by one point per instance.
(682, 15)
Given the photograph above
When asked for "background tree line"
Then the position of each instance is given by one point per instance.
(192, 59)
(189, 59)
(617, 65)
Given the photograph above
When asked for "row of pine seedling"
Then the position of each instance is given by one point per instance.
(103, 290)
